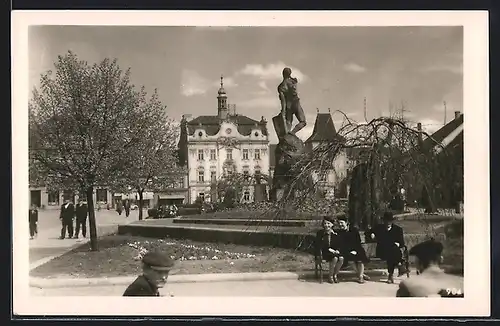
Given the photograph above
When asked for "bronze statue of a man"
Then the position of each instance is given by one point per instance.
(290, 102)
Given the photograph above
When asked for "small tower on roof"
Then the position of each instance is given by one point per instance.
(222, 108)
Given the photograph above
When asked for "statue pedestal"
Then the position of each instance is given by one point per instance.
(288, 152)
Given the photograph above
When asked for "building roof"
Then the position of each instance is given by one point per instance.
(212, 123)
(324, 129)
(448, 130)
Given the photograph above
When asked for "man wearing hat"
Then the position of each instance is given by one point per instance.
(432, 281)
(390, 241)
(155, 269)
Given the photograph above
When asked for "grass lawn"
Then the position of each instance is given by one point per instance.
(119, 256)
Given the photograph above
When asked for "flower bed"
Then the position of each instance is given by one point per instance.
(120, 256)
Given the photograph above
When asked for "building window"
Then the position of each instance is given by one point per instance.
(201, 157)
(245, 154)
(213, 175)
(213, 155)
(257, 154)
(229, 154)
(246, 196)
(102, 195)
(201, 195)
(53, 198)
(201, 176)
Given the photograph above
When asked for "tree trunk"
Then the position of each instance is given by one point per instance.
(140, 192)
(92, 222)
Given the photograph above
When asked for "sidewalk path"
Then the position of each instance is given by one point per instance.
(267, 288)
(47, 244)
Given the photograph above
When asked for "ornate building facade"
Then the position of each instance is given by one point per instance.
(214, 146)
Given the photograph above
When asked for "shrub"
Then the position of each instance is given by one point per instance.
(455, 229)
(195, 205)
(152, 212)
(189, 211)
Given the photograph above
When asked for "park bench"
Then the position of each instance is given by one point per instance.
(369, 247)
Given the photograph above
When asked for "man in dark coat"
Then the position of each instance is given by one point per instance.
(432, 281)
(81, 218)
(155, 269)
(33, 220)
(127, 207)
(67, 215)
(390, 241)
(351, 248)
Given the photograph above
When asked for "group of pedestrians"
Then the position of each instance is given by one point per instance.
(343, 245)
(70, 212)
(123, 206)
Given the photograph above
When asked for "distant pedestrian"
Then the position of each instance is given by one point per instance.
(432, 280)
(119, 207)
(127, 207)
(155, 269)
(81, 218)
(67, 215)
(33, 220)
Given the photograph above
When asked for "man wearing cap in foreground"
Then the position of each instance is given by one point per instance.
(432, 280)
(155, 269)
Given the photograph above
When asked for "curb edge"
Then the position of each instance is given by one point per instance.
(41, 283)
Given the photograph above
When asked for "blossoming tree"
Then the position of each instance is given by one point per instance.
(83, 119)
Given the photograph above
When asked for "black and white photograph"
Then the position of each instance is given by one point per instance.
(227, 163)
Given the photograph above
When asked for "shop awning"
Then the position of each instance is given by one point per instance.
(133, 196)
(165, 196)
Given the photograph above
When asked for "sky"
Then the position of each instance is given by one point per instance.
(337, 67)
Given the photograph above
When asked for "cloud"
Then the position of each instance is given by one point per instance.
(262, 85)
(263, 89)
(271, 71)
(396, 113)
(261, 102)
(354, 67)
(192, 83)
(430, 125)
(454, 69)
(229, 82)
